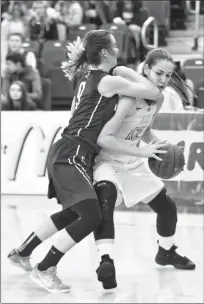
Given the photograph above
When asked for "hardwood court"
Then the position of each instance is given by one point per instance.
(140, 280)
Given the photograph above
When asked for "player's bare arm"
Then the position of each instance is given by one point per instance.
(111, 85)
(108, 140)
(132, 75)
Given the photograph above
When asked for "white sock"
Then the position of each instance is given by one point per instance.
(166, 242)
(105, 246)
(46, 230)
(63, 241)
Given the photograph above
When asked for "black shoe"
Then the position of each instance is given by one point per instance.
(171, 257)
(106, 272)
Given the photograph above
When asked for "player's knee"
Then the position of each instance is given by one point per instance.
(89, 218)
(107, 195)
(165, 207)
(166, 215)
(64, 218)
(169, 211)
(92, 216)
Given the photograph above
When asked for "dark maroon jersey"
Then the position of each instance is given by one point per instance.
(92, 110)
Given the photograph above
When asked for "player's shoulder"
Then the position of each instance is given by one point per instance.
(95, 76)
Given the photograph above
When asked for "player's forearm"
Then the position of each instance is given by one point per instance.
(149, 136)
(118, 145)
(132, 75)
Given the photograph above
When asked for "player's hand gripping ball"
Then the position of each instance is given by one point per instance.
(171, 165)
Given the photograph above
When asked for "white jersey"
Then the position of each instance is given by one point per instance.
(132, 129)
(130, 174)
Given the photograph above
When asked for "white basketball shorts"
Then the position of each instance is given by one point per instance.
(135, 183)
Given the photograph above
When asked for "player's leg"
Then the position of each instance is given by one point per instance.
(105, 178)
(72, 185)
(20, 256)
(105, 233)
(44, 273)
(166, 211)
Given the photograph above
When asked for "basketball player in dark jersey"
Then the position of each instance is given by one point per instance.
(71, 159)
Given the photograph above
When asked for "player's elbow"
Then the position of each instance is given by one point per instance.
(103, 141)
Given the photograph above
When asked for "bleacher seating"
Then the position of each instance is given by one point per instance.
(32, 46)
(53, 54)
(80, 31)
(199, 90)
(125, 42)
(193, 68)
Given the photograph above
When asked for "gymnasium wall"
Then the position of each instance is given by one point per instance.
(27, 136)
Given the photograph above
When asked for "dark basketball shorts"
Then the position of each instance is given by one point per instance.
(70, 173)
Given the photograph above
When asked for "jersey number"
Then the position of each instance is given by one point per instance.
(79, 94)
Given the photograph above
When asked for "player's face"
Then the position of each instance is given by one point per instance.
(160, 73)
(113, 54)
(15, 92)
(15, 43)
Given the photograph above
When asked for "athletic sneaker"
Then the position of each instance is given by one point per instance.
(48, 280)
(171, 257)
(19, 261)
(106, 272)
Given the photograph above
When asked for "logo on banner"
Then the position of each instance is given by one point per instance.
(45, 146)
(195, 155)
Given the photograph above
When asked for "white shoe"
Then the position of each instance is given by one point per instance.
(19, 261)
(48, 280)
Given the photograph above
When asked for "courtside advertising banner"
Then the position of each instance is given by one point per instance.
(26, 138)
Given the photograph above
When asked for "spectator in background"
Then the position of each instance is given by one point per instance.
(14, 22)
(17, 99)
(41, 24)
(178, 15)
(69, 12)
(17, 70)
(15, 45)
(97, 12)
(134, 15)
(4, 8)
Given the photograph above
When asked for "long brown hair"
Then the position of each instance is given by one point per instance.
(89, 51)
(175, 82)
(24, 97)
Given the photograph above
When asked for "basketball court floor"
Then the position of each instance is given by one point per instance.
(140, 279)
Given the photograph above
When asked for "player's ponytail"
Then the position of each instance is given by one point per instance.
(77, 58)
(180, 87)
(87, 51)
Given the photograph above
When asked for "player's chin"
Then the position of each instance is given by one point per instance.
(161, 88)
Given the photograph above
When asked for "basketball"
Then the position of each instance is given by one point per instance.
(171, 165)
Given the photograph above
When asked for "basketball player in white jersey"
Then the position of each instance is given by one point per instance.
(120, 166)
